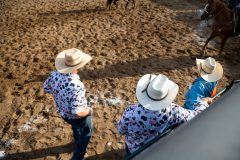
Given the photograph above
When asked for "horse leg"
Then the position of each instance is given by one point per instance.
(213, 35)
(133, 1)
(115, 2)
(108, 4)
(223, 42)
(127, 4)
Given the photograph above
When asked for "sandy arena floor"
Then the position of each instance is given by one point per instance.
(158, 36)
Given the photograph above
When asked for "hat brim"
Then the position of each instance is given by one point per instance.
(213, 77)
(150, 104)
(63, 68)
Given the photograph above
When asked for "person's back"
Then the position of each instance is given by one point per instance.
(210, 72)
(67, 90)
(155, 112)
(69, 95)
(140, 125)
(198, 90)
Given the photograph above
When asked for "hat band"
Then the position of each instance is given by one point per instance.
(154, 99)
(73, 63)
(204, 70)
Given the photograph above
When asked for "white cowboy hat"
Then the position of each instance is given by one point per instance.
(156, 92)
(209, 69)
(70, 60)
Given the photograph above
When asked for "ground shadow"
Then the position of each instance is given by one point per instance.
(78, 12)
(177, 4)
(51, 151)
(154, 64)
(110, 155)
(68, 148)
(37, 78)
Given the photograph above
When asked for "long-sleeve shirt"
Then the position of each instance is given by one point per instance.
(198, 90)
(140, 125)
(68, 92)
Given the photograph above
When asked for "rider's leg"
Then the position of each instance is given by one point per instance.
(238, 24)
(237, 18)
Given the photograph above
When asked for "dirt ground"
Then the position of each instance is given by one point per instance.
(158, 36)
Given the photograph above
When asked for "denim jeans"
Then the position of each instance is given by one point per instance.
(127, 152)
(82, 132)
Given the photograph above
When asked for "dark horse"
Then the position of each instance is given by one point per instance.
(223, 25)
(109, 3)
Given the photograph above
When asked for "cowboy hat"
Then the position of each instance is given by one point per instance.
(209, 69)
(156, 92)
(71, 59)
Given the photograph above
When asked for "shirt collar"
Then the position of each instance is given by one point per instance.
(71, 75)
(74, 75)
(145, 109)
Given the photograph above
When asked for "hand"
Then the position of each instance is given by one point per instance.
(84, 112)
(208, 100)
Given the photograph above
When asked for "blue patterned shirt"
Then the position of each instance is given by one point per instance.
(68, 92)
(198, 90)
(140, 125)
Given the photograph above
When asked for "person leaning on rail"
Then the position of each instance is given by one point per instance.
(204, 86)
(155, 111)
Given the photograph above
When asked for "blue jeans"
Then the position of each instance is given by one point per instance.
(127, 152)
(82, 132)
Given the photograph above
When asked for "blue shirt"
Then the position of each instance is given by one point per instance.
(199, 89)
(68, 92)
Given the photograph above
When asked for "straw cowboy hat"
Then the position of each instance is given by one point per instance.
(209, 69)
(156, 92)
(71, 59)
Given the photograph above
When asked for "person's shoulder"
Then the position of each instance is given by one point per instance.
(132, 107)
(199, 82)
(131, 110)
(55, 73)
(174, 105)
(204, 83)
(75, 82)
